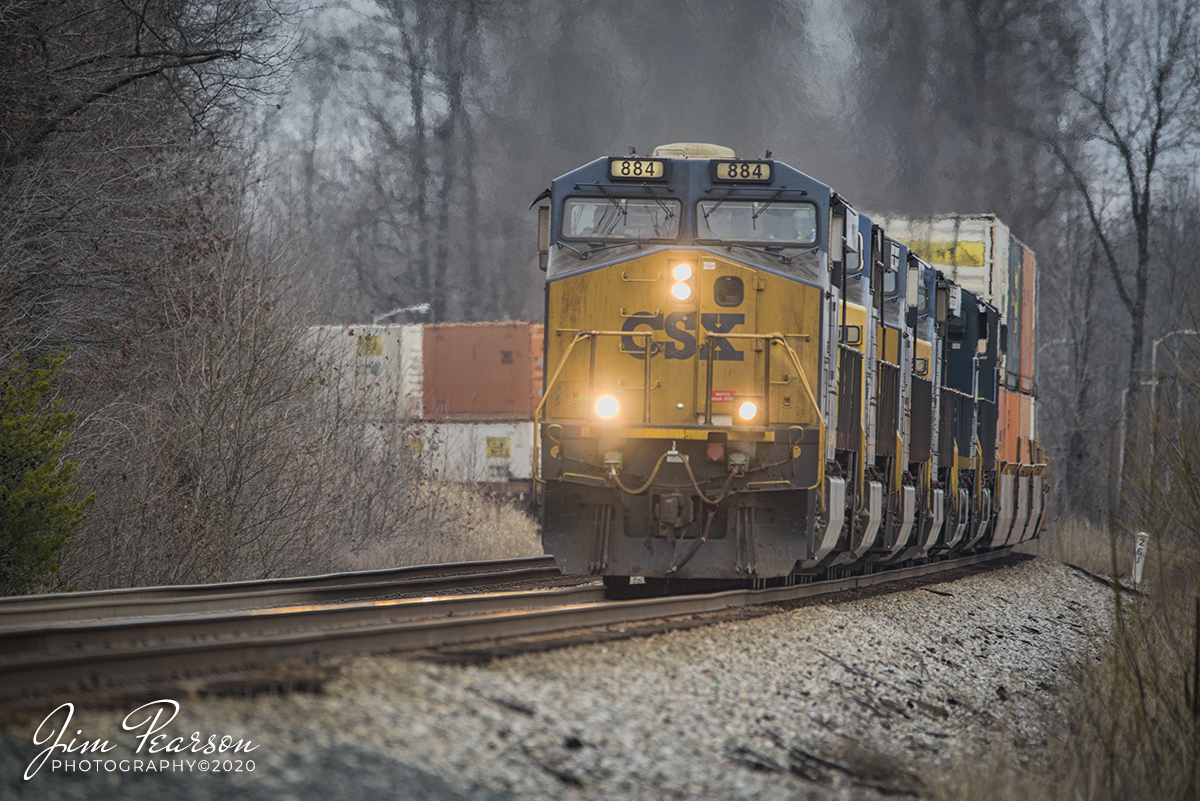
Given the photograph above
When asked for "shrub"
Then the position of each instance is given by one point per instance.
(36, 515)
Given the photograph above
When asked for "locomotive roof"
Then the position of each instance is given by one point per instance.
(692, 176)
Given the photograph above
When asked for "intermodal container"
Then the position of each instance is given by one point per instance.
(372, 370)
(979, 254)
(494, 454)
(482, 372)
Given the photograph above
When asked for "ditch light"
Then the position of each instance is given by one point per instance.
(607, 407)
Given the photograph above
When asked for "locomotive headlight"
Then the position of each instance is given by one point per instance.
(682, 272)
(748, 410)
(681, 291)
(607, 407)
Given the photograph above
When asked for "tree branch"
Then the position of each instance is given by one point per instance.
(50, 126)
(1094, 216)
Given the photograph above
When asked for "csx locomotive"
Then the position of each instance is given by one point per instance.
(749, 379)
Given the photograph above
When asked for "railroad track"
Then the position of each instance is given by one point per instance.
(82, 654)
(197, 598)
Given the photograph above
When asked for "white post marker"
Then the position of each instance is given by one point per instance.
(1139, 557)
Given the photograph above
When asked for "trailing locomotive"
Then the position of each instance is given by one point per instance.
(750, 379)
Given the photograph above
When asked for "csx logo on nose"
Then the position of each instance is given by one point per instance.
(683, 345)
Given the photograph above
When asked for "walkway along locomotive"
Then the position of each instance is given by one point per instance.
(750, 379)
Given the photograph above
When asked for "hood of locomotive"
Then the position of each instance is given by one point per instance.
(730, 289)
(639, 308)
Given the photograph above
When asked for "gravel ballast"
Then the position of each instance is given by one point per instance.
(884, 695)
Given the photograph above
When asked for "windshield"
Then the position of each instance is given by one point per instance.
(758, 221)
(620, 218)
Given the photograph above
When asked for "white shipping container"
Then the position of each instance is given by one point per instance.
(477, 452)
(376, 370)
(972, 251)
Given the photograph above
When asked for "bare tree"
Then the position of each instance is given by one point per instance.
(1134, 122)
(243, 453)
(70, 57)
(974, 72)
(1074, 381)
(130, 237)
(107, 117)
(403, 201)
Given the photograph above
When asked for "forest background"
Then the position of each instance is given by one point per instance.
(188, 185)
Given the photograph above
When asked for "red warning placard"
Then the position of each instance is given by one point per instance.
(722, 395)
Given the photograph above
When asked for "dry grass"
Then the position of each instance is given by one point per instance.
(1134, 730)
(453, 523)
(1085, 545)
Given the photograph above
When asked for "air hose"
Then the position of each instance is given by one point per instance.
(614, 474)
(696, 545)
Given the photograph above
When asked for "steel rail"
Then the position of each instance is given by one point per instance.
(183, 599)
(94, 655)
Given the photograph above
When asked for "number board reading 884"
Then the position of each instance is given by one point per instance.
(743, 171)
(637, 169)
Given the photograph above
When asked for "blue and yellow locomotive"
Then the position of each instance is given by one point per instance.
(749, 379)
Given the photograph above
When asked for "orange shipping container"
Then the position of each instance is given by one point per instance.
(1026, 454)
(1028, 323)
(1016, 427)
(482, 372)
(1007, 448)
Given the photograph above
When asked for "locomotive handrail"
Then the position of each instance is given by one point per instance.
(778, 339)
(820, 420)
(537, 413)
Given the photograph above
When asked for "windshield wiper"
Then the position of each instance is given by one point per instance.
(615, 202)
(707, 212)
(669, 211)
(765, 204)
(625, 210)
